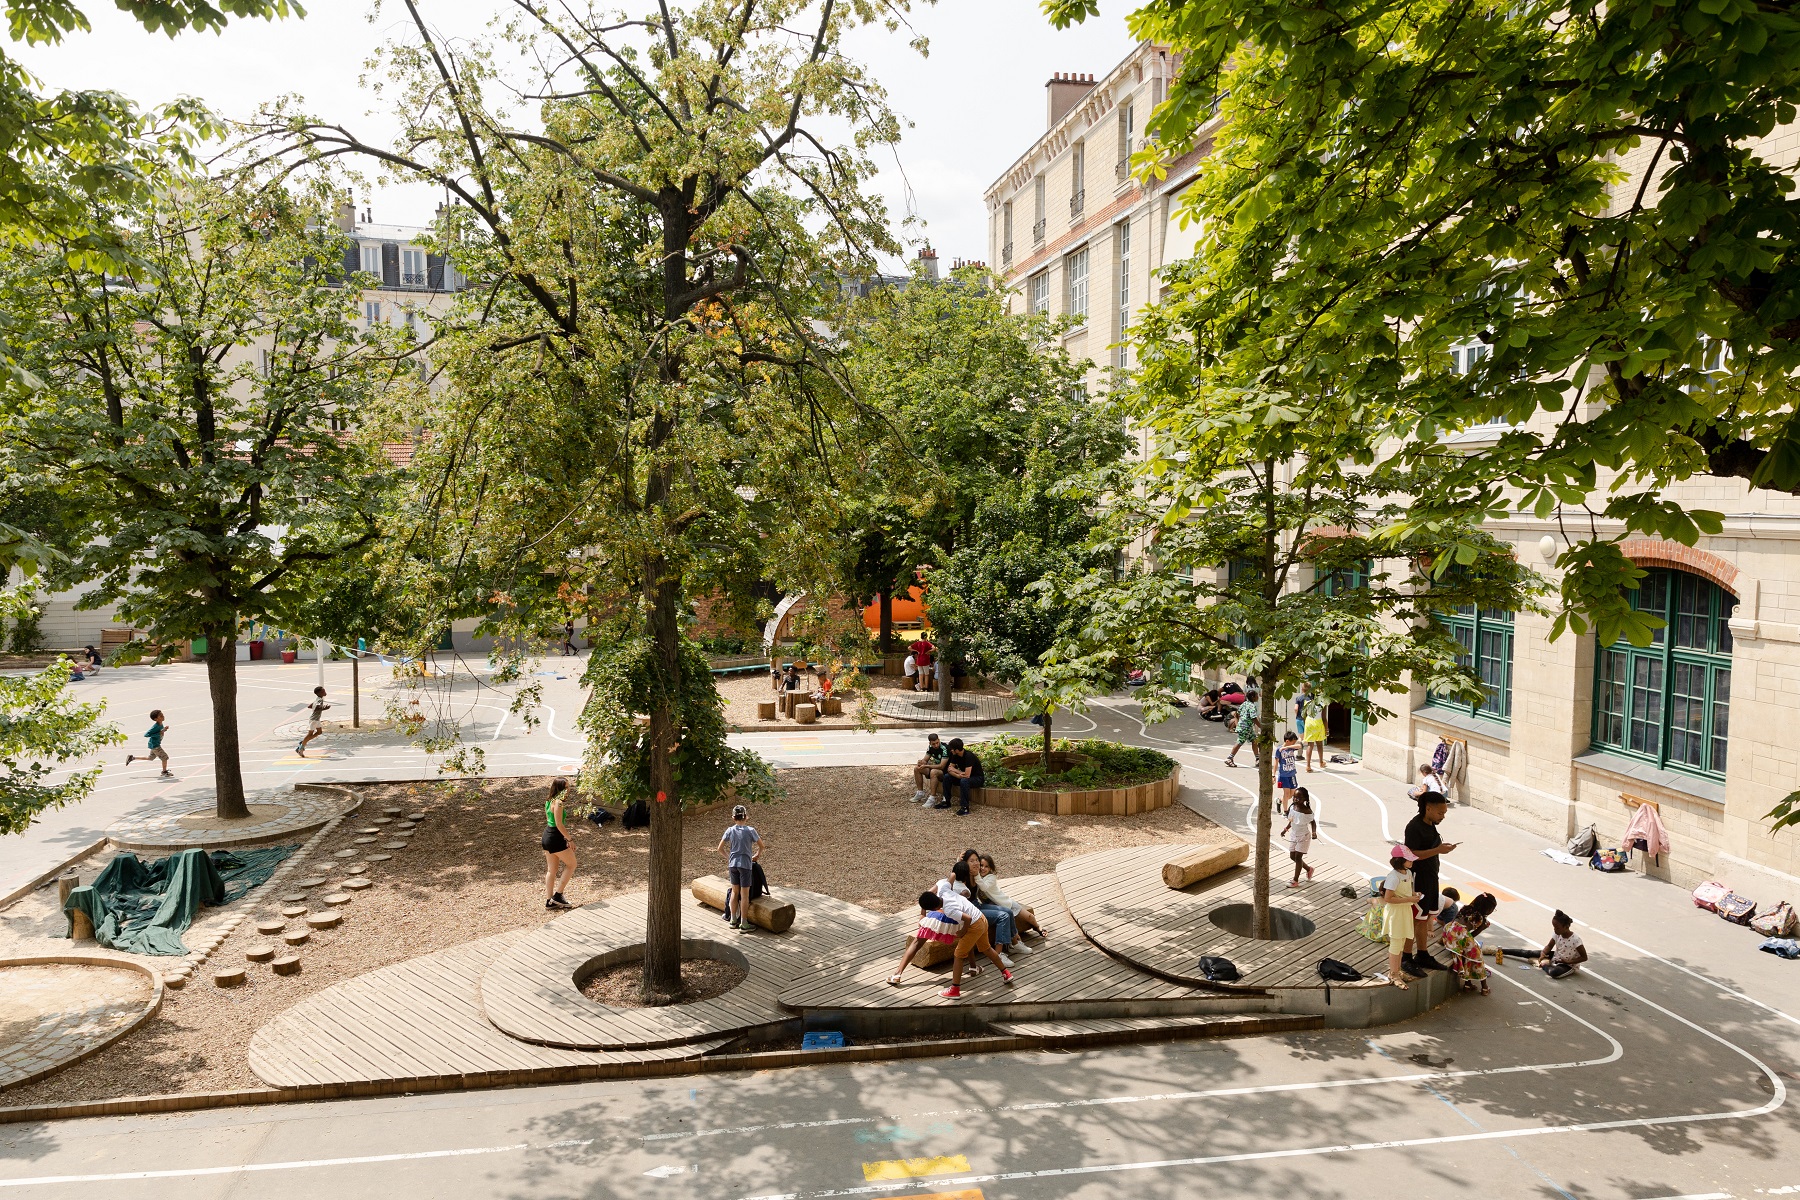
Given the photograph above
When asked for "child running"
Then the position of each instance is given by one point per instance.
(315, 720)
(1397, 896)
(1299, 832)
(153, 737)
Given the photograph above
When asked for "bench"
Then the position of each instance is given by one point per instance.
(1190, 868)
(776, 916)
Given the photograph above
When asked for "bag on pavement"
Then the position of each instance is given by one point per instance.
(1219, 970)
(1708, 895)
(1737, 909)
(1609, 860)
(637, 815)
(1777, 922)
(1332, 971)
(1583, 844)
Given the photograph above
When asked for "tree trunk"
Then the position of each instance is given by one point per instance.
(228, 771)
(1046, 741)
(662, 917)
(1265, 805)
(943, 680)
(887, 622)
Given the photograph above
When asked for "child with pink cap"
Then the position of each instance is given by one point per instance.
(1397, 896)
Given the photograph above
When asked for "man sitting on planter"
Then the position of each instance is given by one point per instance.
(962, 770)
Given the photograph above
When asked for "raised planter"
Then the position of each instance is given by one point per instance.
(1060, 760)
(1101, 802)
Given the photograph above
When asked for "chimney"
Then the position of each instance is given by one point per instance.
(1063, 92)
(928, 256)
(346, 214)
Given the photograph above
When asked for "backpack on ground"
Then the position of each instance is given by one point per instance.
(1737, 909)
(1609, 860)
(1583, 844)
(1708, 895)
(1333, 971)
(1777, 922)
(637, 815)
(1219, 970)
(1373, 926)
(600, 816)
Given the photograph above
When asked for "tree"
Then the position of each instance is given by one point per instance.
(1584, 193)
(42, 727)
(1270, 533)
(967, 401)
(634, 393)
(185, 413)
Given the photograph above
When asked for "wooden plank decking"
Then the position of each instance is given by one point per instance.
(419, 1019)
(1119, 900)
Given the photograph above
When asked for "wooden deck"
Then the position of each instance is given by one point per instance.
(1067, 971)
(419, 1019)
(1119, 900)
(530, 992)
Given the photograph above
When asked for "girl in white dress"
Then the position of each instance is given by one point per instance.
(1299, 833)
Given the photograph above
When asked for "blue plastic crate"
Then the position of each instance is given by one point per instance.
(826, 1039)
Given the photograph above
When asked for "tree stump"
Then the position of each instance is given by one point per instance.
(287, 964)
(806, 714)
(296, 937)
(336, 899)
(776, 916)
(64, 885)
(833, 706)
(765, 710)
(229, 977)
(324, 920)
(356, 884)
(1195, 865)
(260, 952)
(82, 925)
(932, 953)
(270, 927)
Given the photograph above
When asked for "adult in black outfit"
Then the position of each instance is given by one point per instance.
(1423, 840)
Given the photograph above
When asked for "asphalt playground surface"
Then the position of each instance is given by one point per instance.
(1661, 1070)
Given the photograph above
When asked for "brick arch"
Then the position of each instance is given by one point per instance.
(1647, 552)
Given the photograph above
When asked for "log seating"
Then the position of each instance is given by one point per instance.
(1190, 868)
(765, 710)
(776, 916)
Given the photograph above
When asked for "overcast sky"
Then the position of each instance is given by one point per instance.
(975, 103)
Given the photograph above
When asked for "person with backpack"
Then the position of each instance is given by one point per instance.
(559, 855)
(742, 846)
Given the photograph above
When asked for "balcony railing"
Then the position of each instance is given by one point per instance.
(1006, 255)
(1037, 229)
(1077, 203)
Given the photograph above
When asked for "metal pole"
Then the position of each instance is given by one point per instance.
(355, 691)
(319, 653)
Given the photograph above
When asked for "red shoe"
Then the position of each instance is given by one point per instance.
(1006, 975)
(1309, 872)
(951, 993)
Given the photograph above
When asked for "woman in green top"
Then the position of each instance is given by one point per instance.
(559, 856)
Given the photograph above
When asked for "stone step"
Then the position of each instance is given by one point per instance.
(1101, 1031)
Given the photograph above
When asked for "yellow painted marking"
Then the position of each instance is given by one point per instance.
(970, 1194)
(913, 1168)
(1471, 890)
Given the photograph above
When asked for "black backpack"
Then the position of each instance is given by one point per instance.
(637, 815)
(1333, 971)
(1219, 970)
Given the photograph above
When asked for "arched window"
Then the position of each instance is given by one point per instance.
(1669, 703)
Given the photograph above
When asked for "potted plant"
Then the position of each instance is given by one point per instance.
(255, 643)
(291, 651)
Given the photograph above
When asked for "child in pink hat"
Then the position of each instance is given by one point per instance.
(1397, 896)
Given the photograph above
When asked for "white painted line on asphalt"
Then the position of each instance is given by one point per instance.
(297, 1165)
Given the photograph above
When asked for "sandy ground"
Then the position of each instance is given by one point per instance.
(741, 693)
(474, 868)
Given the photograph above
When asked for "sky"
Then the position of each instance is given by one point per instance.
(976, 102)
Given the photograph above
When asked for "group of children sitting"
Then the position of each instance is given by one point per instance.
(970, 911)
(1460, 926)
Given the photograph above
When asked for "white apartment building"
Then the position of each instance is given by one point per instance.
(1572, 733)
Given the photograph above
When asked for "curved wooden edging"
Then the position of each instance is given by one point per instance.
(1101, 802)
(91, 960)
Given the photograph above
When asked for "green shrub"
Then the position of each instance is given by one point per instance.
(1113, 764)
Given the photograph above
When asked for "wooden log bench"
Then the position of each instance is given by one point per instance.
(1190, 868)
(765, 710)
(776, 916)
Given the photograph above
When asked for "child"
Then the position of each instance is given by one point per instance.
(153, 736)
(1246, 727)
(949, 918)
(1459, 938)
(742, 846)
(1285, 771)
(315, 720)
(1429, 781)
(1397, 896)
(1299, 831)
(1313, 736)
(1564, 951)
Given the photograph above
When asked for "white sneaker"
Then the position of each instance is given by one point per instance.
(1005, 961)
(1020, 949)
(919, 795)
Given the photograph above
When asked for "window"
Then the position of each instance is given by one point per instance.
(1077, 180)
(1486, 637)
(1241, 573)
(1038, 292)
(266, 363)
(1464, 357)
(1122, 168)
(372, 311)
(338, 421)
(1669, 703)
(1037, 196)
(1006, 234)
(371, 258)
(1076, 269)
(1119, 355)
(412, 268)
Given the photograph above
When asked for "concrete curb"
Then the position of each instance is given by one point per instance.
(91, 960)
(20, 893)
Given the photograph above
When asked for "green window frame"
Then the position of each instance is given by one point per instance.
(1669, 703)
(1486, 638)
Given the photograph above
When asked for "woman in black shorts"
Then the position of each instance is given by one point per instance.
(559, 856)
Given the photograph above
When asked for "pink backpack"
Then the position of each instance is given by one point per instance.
(1709, 894)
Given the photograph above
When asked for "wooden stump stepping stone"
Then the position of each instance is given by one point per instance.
(294, 898)
(358, 869)
(259, 952)
(311, 881)
(393, 845)
(177, 982)
(765, 710)
(353, 885)
(346, 854)
(381, 820)
(379, 857)
(229, 977)
(324, 920)
(294, 910)
(364, 841)
(392, 812)
(415, 818)
(270, 927)
(296, 937)
(369, 829)
(335, 899)
(287, 964)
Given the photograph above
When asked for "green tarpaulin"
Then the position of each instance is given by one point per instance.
(142, 908)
